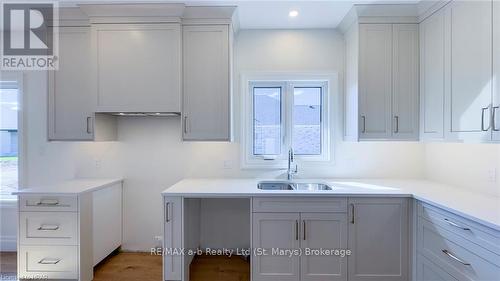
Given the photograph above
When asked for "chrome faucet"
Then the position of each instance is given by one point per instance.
(291, 171)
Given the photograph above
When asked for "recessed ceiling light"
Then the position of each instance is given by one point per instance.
(293, 13)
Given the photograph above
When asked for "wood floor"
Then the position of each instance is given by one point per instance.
(219, 268)
(8, 265)
(145, 267)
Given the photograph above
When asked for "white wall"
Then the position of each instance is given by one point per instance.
(475, 167)
(151, 156)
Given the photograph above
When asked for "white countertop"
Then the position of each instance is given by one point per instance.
(70, 187)
(484, 209)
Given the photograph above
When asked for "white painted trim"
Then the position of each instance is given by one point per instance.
(331, 105)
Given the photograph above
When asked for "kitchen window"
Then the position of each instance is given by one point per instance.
(286, 114)
(10, 96)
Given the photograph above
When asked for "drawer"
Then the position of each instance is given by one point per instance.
(48, 228)
(428, 271)
(472, 231)
(288, 204)
(48, 203)
(458, 256)
(49, 262)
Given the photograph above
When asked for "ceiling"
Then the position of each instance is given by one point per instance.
(261, 14)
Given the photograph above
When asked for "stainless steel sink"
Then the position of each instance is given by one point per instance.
(284, 185)
(311, 186)
(274, 185)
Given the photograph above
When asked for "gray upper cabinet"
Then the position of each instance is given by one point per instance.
(496, 72)
(70, 108)
(405, 66)
(457, 77)
(470, 25)
(207, 82)
(382, 82)
(137, 67)
(70, 105)
(378, 239)
(375, 72)
(432, 76)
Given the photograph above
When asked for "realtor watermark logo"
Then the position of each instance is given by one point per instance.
(30, 37)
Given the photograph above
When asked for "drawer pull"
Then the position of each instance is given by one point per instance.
(49, 261)
(452, 256)
(456, 225)
(48, 227)
(48, 202)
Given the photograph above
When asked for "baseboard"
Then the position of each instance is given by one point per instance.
(8, 243)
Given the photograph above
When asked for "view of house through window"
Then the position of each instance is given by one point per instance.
(8, 139)
(287, 115)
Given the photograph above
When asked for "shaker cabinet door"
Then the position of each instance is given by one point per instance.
(375, 81)
(405, 82)
(207, 83)
(70, 103)
(471, 69)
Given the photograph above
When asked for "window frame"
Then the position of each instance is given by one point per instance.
(288, 82)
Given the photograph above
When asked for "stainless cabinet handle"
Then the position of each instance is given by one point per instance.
(48, 227)
(48, 202)
(456, 225)
(493, 119)
(364, 124)
(483, 128)
(452, 256)
(304, 229)
(49, 261)
(185, 125)
(352, 210)
(167, 212)
(89, 125)
(396, 130)
(297, 230)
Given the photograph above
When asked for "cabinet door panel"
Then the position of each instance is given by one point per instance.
(275, 230)
(70, 104)
(496, 70)
(206, 98)
(378, 238)
(323, 231)
(172, 238)
(432, 78)
(138, 67)
(471, 58)
(375, 76)
(405, 81)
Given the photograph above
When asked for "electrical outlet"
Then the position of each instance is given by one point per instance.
(228, 164)
(98, 164)
(158, 241)
(492, 175)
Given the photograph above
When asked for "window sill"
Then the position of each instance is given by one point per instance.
(8, 202)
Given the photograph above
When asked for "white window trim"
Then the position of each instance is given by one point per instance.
(330, 90)
(22, 171)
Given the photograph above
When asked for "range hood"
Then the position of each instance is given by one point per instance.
(145, 114)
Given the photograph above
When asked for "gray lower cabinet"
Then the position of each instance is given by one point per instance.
(304, 234)
(172, 238)
(378, 239)
(461, 248)
(275, 230)
(427, 270)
